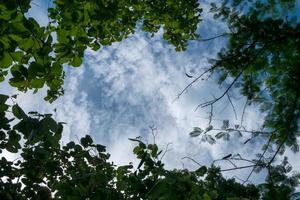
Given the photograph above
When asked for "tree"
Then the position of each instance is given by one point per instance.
(262, 57)
(47, 170)
(35, 59)
(262, 61)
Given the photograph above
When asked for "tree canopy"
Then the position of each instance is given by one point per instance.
(35, 54)
(261, 59)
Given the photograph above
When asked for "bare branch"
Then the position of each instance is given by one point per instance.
(228, 160)
(166, 150)
(244, 109)
(211, 114)
(153, 129)
(240, 179)
(187, 157)
(260, 158)
(212, 38)
(245, 131)
(278, 149)
(236, 78)
(192, 82)
(236, 168)
(221, 96)
(233, 108)
(243, 159)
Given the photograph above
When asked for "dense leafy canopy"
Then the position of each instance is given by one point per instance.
(261, 58)
(264, 63)
(46, 169)
(34, 55)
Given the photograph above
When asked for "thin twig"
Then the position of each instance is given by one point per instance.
(212, 38)
(211, 114)
(243, 159)
(192, 82)
(153, 128)
(228, 160)
(260, 158)
(244, 131)
(278, 149)
(292, 109)
(240, 179)
(233, 108)
(187, 157)
(166, 150)
(221, 96)
(236, 168)
(244, 109)
(235, 79)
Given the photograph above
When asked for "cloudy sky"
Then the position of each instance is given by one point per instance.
(122, 90)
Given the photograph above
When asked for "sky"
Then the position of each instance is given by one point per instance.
(123, 90)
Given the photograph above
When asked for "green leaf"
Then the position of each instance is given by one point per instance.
(206, 196)
(56, 69)
(70, 145)
(11, 148)
(3, 107)
(26, 43)
(201, 171)
(37, 83)
(2, 78)
(18, 112)
(3, 98)
(158, 190)
(17, 56)
(86, 141)
(44, 193)
(76, 61)
(6, 60)
(100, 148)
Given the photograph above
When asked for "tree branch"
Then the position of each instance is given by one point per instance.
(221, 96)
(192, 82)
(212, 38)
(187, 157)
(233, 108)
(260, 158)
(236, 168)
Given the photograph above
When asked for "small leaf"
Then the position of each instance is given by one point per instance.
(6, 60)
(26, 44)
(37, 83)
(18, 112)
(201, 171)
(100, 148)
(196, 132)
(76, 62)
(3, 98)
(209, 128)
(86, 141)
(227, 156)
(219, 135)
(225, 124)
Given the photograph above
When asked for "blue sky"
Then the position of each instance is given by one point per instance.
(122, 90)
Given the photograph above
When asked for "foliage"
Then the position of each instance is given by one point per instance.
(45, 169)
(35, 55)
(48, 170)
(261, 59)
(263, 63)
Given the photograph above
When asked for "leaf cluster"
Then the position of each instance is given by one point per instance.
(34, 55)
